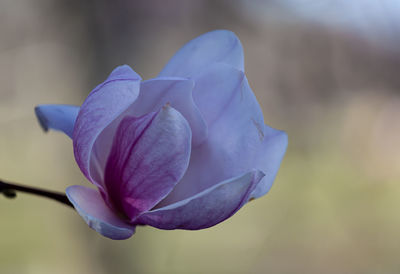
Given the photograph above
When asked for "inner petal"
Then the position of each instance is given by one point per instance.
(149, 155)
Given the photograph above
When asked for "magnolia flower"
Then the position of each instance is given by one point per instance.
(184, 150)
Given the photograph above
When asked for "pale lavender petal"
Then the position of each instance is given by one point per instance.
(238, 140)
(269, 158)
(104, 104)
(207, 208)
(57, 117)
(91, 206)
(177, 92)
(219, 46)
(216, 89)
(149, 156)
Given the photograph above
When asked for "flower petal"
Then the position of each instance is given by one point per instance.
(91, 206)
(219, 46)
(105, 103)
(216, 89)
(149, 156)
(269, 158)
(207, 208)
(155, 93)
(237, 139)
(57, 117)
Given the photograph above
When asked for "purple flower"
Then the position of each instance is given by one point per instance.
(184, 150)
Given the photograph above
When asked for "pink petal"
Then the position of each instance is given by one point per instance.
(149, 156)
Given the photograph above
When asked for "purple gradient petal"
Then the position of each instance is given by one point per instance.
(105, 103)
(149, 156)
(219, 46)
(91, 206)
(238, 140)
(207, 208)
(57, 117)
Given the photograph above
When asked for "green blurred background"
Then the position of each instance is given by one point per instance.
(335, 89)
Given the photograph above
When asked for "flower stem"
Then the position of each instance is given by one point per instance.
(9, 190)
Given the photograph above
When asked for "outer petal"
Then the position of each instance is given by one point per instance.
(104, 104)
(269, 158)
(57, 117)
(157, 92)
(149, 156)
(237, 139)
(207, 208)
(97, 214)
(219, 46)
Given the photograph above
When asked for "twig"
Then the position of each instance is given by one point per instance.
(10, 191)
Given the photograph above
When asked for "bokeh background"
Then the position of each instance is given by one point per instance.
(327, 72)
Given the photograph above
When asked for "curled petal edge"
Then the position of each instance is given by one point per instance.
(57, 117)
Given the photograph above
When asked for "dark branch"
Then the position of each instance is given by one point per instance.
(10, 191)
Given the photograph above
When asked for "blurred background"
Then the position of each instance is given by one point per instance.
(327, 72)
